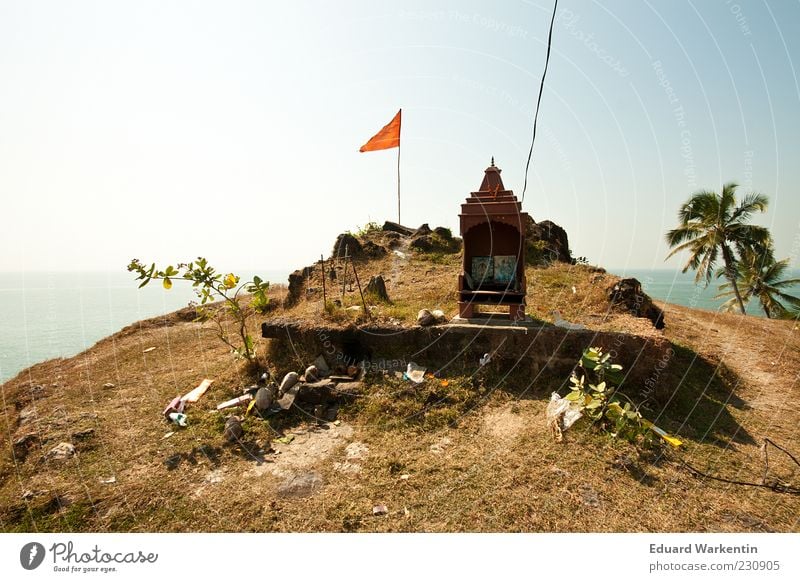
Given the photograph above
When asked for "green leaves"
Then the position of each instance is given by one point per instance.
(209, 287)
(593, 387)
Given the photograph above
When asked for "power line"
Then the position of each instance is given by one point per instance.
(539, 100)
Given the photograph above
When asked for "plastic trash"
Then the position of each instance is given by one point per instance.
(238, 401)
(485, 359)
(178, 418)
(561, 414)
(175, 405)
(415, 373)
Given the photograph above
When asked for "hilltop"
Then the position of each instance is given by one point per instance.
(466, 450)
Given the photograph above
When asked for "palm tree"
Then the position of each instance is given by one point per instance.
(761, 276)
(712, 224)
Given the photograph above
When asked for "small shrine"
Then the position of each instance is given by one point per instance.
(493, 230)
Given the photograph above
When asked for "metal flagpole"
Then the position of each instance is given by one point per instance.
(398, 183)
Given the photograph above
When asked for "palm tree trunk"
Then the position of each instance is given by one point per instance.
(730, 273)
(766, 311)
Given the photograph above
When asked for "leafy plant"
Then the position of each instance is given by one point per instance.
(368, 228)
(594, 388)
(211, 286)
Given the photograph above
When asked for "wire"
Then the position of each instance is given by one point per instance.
(539, 100)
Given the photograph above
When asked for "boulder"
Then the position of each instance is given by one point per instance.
(347, 241)
(320, 392)
(546, 243)
(61, 452)
(398, 228)
(627, 295)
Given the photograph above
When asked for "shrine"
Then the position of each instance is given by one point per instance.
(493, 230)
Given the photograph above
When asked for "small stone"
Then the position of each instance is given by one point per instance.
(233, 430)
(380, 510)
(425, 318)
(312, 374)
(289, 380)
(286, 401)
(108, 385)
(82, 435)
(405, 477)
(439, 315)
(321, 364)
(61, 451)
(301, 485)
(263, 398)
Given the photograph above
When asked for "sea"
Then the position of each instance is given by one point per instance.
(60, 314)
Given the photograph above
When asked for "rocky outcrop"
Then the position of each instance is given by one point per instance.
(546, 243)
(627, 295)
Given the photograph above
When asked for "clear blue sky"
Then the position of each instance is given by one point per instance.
(166, 130)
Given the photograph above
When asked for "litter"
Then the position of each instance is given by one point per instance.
(444, 383)
(148, 350)
(194, 395)
(561, 414)
(178, 418)
(285, 439)
(487, 357)
(415, 373)
(380, 510)
(663, 434)
(175, 405)
(108, 481)
(286, 401)
(400, 254)
(238, 401)
(169, 434)
(562, 323)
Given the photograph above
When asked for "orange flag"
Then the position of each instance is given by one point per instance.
(386, 138)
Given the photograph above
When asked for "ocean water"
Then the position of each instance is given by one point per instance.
(48, 315)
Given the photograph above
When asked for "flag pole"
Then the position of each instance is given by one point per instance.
(398, 184)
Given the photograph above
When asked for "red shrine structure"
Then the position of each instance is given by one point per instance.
(493, 231)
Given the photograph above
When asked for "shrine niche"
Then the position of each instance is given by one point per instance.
(493, 230)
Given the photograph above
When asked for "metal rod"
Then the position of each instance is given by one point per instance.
(344, 274)
(364, 303)
(324, 295)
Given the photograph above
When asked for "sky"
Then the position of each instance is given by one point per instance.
(168, 130)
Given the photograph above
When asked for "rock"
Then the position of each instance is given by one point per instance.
(439, 315)
(320, 392)
(82, 435)
(627, 295)
(289, 380)
(425, 317)
(322, 365)
(349, 388)
(264, 398)
(443, 233)
(422, 243)
(312, 374)
(398, 228)
(61, 452)
(377, 288)
(108, 385)
(546, 242)
(347, 241)
(286, 401)
(233, 430)
(26, 415)
(297, 281)
(356, 450)
(422, 230)
(301, 485)
(23, 445)
(372, 250)
(380, 510)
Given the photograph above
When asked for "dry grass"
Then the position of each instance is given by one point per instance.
(471, 456)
